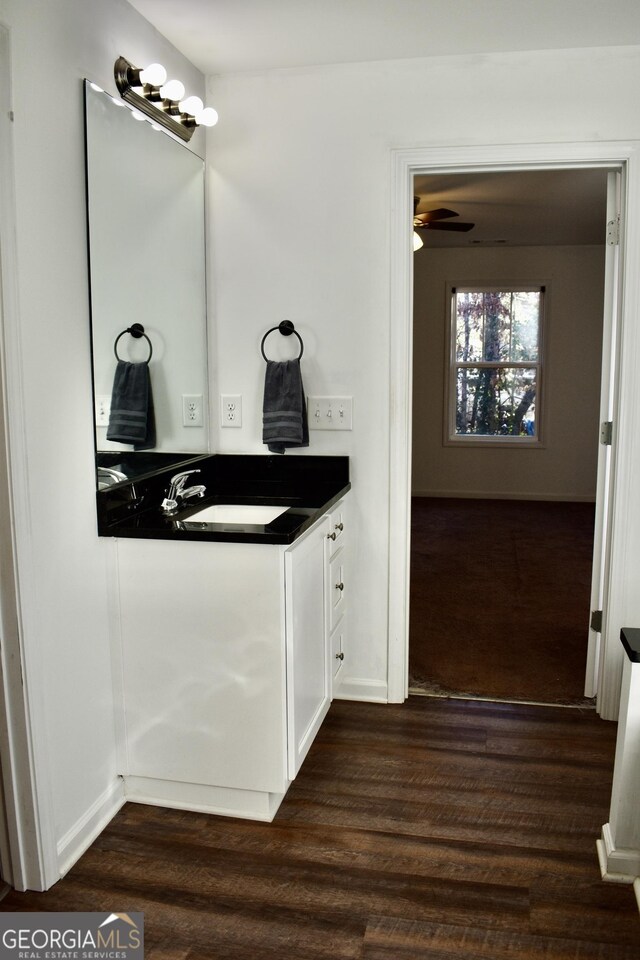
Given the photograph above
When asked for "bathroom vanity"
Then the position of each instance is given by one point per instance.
(230, 642)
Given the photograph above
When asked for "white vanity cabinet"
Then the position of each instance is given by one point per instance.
(224, 667)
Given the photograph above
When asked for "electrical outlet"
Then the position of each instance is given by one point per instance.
(330, 413)
(230, 410)
(103, 410)
(192, 412)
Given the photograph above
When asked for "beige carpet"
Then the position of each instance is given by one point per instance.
(500, 598)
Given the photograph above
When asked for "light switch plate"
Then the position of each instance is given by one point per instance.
(330, 413)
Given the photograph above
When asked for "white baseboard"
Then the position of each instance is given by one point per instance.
(79, 838)
(374, 691)
(202, 798)
(616, 865)
(483, 495)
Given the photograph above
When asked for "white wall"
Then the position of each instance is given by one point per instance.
(62, 564)
(564, 467)
(300, 179)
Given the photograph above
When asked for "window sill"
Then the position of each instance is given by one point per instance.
(514, 443)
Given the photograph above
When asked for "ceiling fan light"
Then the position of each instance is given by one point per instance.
(417, 241)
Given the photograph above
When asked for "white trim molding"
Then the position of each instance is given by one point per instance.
(405, 164)
(26, 775)
(619, 846)
(371, 691)
(79, 838)
(616, 865)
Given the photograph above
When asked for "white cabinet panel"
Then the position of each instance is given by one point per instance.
(203, 662)
(308, 688)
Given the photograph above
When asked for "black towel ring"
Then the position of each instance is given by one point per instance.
(136, 330)
(286, 328)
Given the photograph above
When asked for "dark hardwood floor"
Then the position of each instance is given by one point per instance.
(435, 830)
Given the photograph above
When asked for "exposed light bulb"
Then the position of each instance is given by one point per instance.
(207, 117)
(417, 241)
(192, 105)
(172, 90)
(155, 75)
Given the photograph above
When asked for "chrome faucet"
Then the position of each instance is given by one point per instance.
(108, 476)
(177, 492)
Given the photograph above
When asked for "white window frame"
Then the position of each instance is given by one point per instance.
(451, 438)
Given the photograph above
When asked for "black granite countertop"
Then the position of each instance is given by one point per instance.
(308, 486)
(630, 637)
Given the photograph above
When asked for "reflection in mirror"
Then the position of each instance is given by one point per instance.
(145, 199)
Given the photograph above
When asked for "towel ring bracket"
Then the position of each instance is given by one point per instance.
(286, 328)
(137, 331)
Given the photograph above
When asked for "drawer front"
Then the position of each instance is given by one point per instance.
(337, 521)
(337, 648)
(336, 588)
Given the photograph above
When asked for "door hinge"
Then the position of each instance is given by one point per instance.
(613, 231)
(596, 621)
(606, 433)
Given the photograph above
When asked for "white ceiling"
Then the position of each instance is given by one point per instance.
(229, 36)
(560, 207)
(522, 208)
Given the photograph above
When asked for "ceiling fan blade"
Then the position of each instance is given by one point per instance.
(461, 227)
(440, 214)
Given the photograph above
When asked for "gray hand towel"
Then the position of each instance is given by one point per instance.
(131, 419)
(284, 411)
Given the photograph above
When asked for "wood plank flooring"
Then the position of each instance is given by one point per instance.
(439, 829)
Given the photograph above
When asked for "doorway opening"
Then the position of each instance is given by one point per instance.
(505, 431)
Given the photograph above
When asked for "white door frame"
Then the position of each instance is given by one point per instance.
(405, 164)
(29, 855)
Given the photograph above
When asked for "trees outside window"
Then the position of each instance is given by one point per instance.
(494, 382)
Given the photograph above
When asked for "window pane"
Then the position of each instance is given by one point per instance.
(525, 326)
(497, 325)
(496, 402)
(469, 326)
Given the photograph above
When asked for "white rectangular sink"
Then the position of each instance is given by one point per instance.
(237, 513)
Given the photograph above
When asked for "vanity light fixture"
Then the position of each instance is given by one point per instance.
(161, 101)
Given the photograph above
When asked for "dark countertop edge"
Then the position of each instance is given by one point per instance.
(630, 637)
(126, 530)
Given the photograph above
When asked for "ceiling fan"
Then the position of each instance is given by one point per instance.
(432, 219)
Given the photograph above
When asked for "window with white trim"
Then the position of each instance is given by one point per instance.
(495, 364)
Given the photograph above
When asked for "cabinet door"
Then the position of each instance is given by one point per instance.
(308, 668)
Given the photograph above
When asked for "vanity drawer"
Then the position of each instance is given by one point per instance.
(336, 588)
(337, 520)
(336, 648)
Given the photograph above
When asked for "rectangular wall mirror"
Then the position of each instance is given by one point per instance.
(145, 207)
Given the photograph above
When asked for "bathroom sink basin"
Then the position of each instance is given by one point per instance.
(237, 513)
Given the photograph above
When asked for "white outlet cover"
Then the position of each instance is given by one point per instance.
(103, 410)
(230, 410)
(192, 410)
